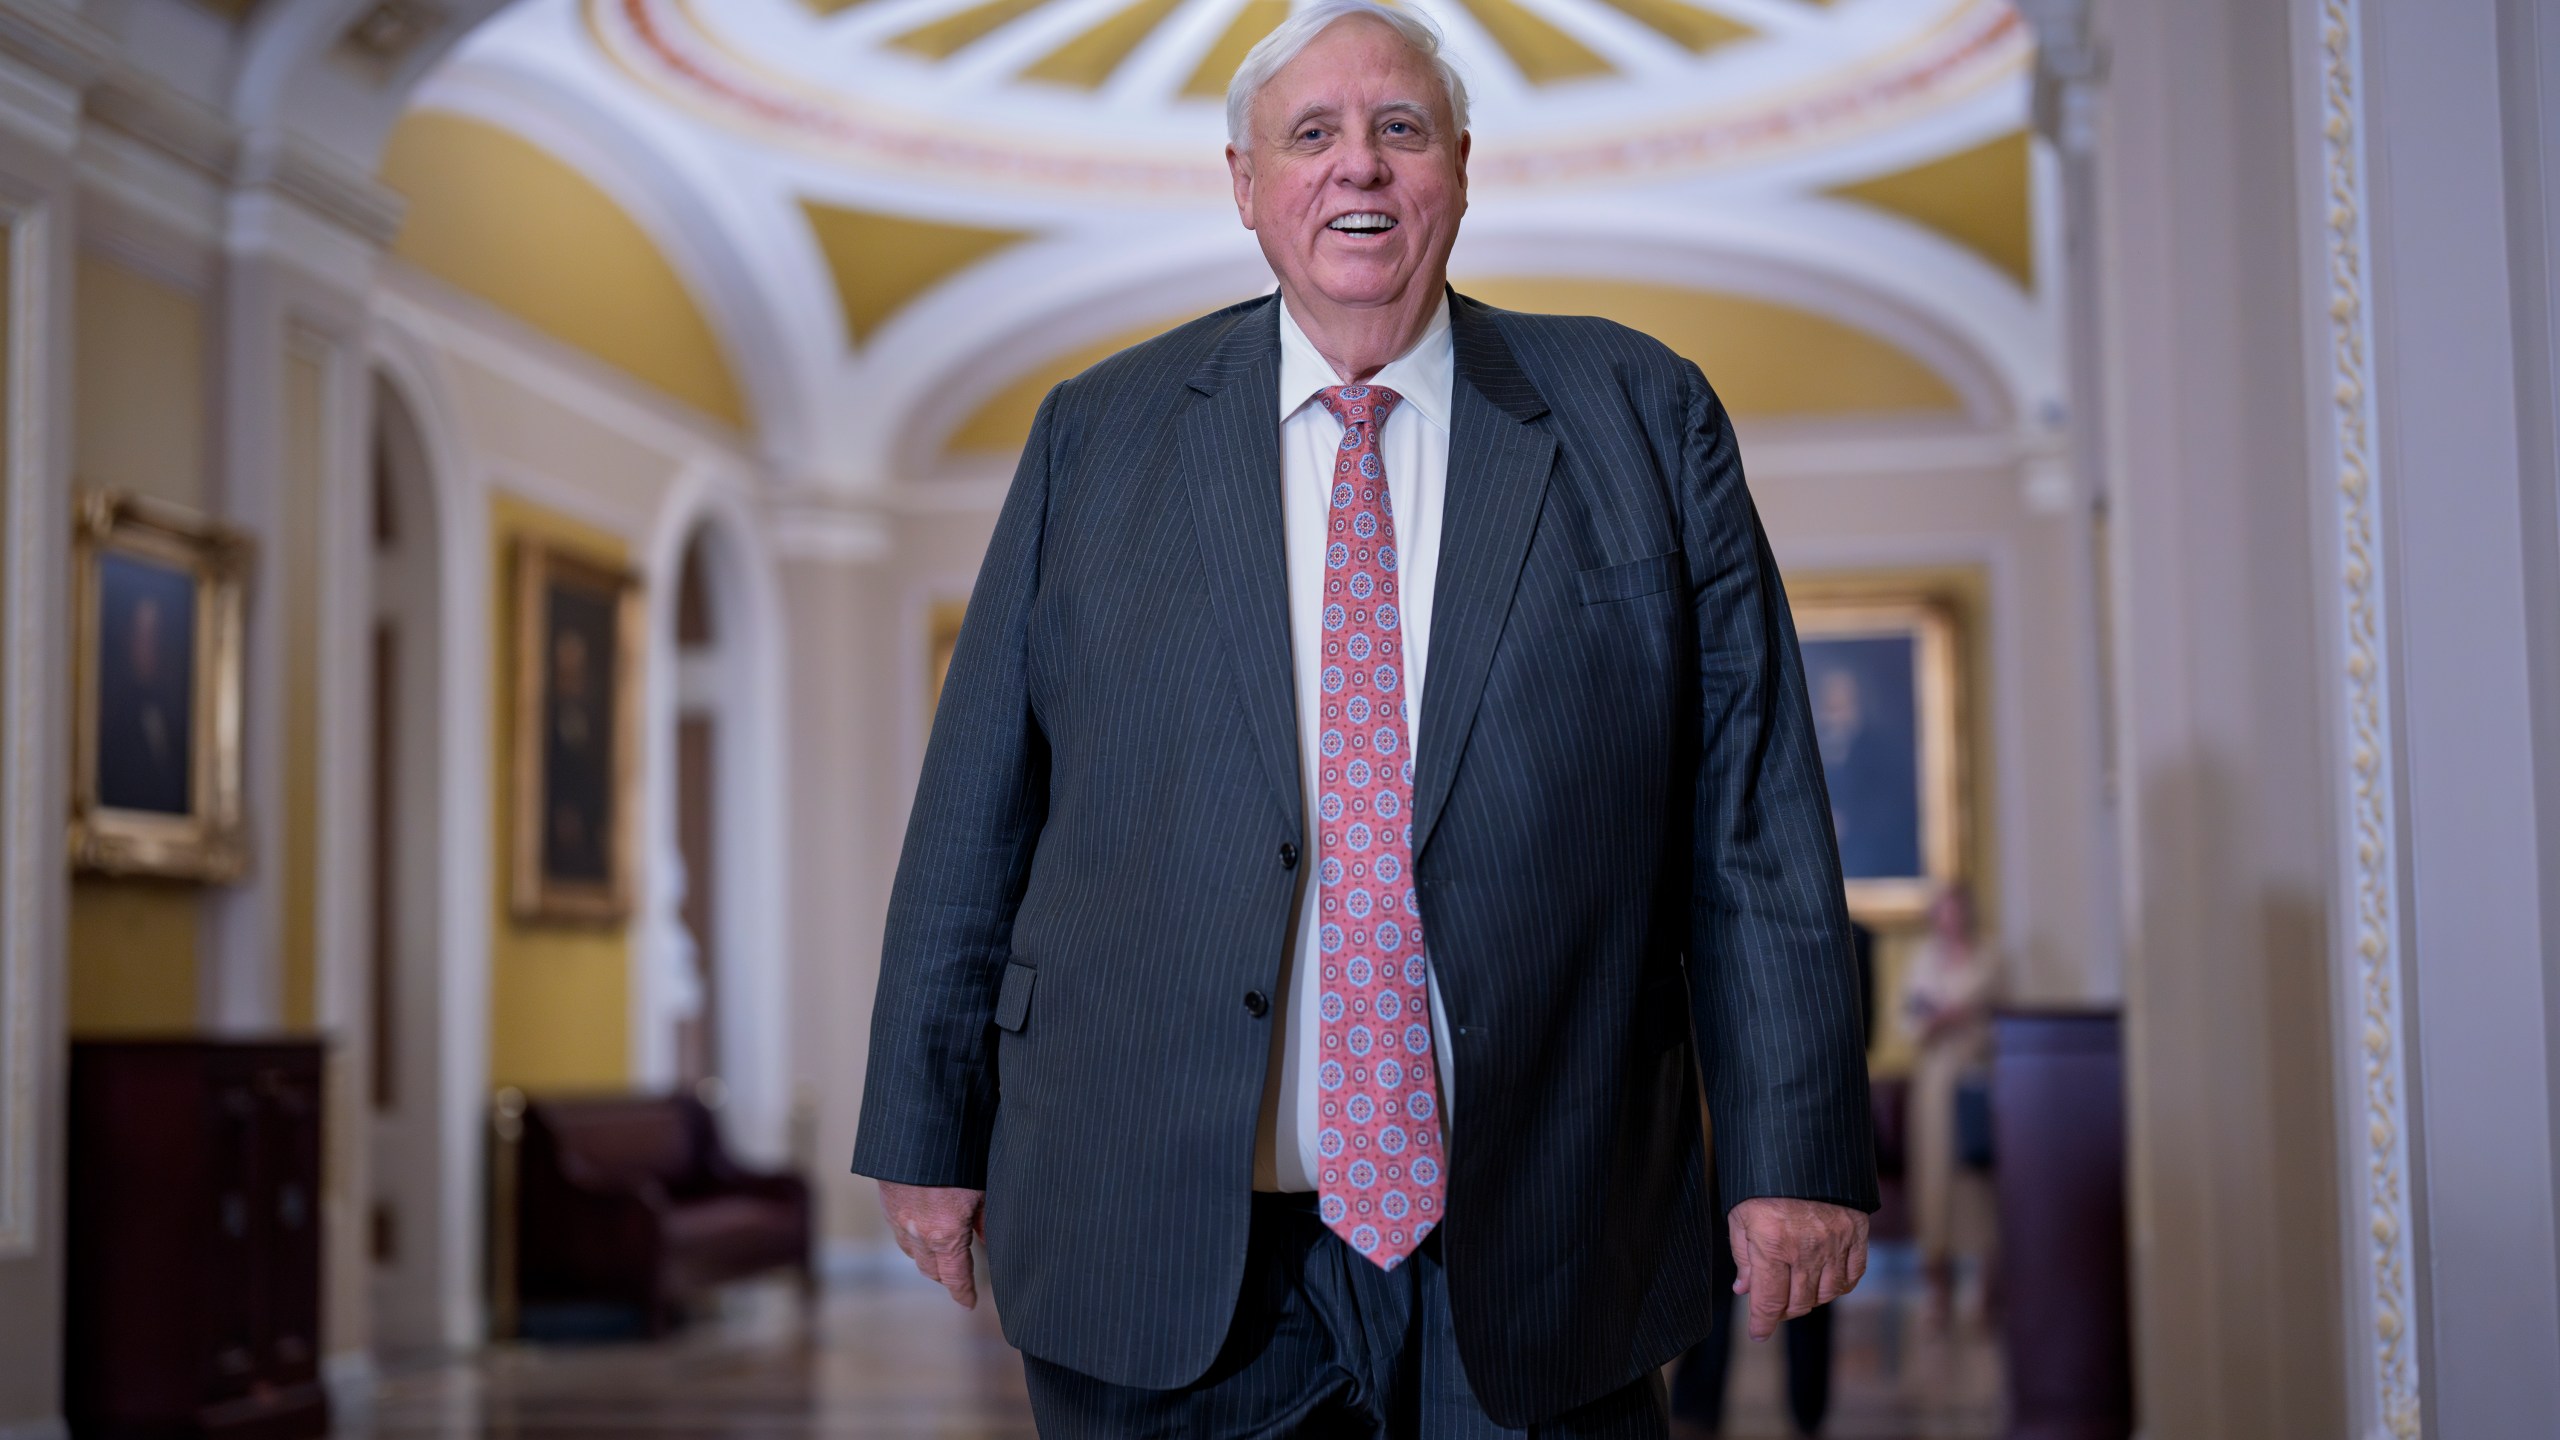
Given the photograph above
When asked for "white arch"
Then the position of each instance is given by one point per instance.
(1946, 306)
(752, 949)
(284, 81)
(458, 496)
(738, 269)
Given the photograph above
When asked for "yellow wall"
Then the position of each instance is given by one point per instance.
(139, 386)
(559, 996)
(494, 214)
(139, 426)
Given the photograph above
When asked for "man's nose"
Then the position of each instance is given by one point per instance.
(1364, 164)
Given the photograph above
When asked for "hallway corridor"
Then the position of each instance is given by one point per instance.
(893, 1359)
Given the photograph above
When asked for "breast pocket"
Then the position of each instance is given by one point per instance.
(1649, 576)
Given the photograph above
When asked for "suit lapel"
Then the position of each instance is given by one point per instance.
(1230, 455)
(1498, 467)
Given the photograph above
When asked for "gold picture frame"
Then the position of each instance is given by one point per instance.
(1886, 676)
(576, 733)
(157, 615)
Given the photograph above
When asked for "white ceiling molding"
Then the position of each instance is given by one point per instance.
(722, 195)
(753, 282)
(776, 74)
(1945, 306)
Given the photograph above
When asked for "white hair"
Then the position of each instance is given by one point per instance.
(1292, 36)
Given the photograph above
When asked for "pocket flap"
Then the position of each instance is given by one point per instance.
(1013, 1002)
(1625, 582)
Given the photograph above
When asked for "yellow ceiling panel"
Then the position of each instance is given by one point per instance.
(1257, 19)
(948, 36)
(496, 215)
(1543, 53)
(1977, 198)
(883, 262)
(1764, 359)
(1696, 30)
(1088, 60)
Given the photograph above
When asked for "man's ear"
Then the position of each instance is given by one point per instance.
(1466, 143)
(1240, 172)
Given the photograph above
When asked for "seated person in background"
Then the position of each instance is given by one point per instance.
(1946, 1000)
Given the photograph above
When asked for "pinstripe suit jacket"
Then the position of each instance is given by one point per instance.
(1621, 839)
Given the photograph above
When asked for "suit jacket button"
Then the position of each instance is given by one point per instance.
(1256, 1004)
(1288, 856)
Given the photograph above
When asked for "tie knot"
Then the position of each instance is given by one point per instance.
(1359, 404)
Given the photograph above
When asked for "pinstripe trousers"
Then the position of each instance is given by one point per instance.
(1324, 1345)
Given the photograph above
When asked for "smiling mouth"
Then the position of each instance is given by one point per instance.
(1365, 223)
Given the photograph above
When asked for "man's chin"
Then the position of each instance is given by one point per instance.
(1363, 288)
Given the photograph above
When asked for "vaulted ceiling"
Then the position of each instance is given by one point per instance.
(879, 228)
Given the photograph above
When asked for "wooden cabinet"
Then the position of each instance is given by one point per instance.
(2057, 1105)
(194, 1283)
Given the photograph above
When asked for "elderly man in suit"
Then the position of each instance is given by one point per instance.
(1318, 1050)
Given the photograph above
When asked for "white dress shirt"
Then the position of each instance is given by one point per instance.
(1414, 444)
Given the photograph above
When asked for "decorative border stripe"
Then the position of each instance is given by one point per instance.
(2371, 957)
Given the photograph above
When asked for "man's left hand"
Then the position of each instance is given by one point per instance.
(1793, 1255)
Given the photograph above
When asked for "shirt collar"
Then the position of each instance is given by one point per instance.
(1423, 375)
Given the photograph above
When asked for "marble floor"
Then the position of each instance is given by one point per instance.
(890, 1357)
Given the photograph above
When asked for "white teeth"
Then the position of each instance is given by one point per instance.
(1363, 224)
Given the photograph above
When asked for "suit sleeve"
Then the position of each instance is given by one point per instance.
(929, 1095)
(1772, 968)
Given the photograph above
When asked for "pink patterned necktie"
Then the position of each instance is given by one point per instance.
(1381, 1186)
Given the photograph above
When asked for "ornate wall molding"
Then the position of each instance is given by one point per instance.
(2370, 970)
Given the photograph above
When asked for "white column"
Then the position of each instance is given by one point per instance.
(849, 684)
(2458, 133)
(303, 234)
(45, 64)
(2234, 1205)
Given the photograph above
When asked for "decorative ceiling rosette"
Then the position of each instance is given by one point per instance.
(1121, 98)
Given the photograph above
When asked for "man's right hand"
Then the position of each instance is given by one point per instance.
(934, 1224)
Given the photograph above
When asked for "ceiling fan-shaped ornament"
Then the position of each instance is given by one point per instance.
(1121, 96)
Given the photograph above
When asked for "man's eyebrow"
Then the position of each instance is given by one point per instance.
(1309, 112)
(1324, 108)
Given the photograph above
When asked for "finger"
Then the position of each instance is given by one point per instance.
(1769, 1293)
(1739, 1240)
(1804, 1284)
(1857, 1262)
(1835, 1280)
(960, 1276)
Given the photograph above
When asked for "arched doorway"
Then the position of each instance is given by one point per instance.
(414, 1247)
(711, 947)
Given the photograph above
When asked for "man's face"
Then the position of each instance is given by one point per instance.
(1352, 172)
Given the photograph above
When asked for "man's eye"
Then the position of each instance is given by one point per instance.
(1311, 134)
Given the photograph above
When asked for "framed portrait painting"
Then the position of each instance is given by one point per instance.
(1883, 676)
(156, 714)
(577, 736)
